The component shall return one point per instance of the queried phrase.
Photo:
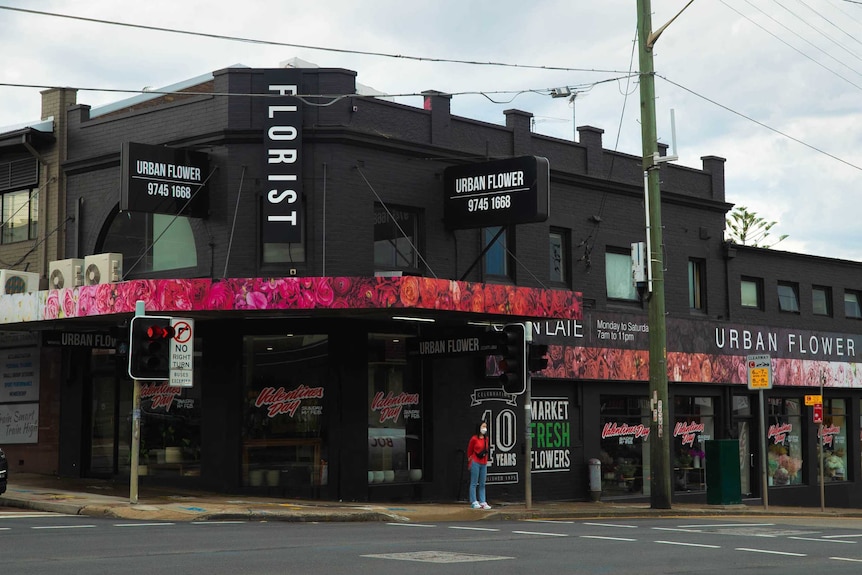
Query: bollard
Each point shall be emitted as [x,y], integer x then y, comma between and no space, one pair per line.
[595,479]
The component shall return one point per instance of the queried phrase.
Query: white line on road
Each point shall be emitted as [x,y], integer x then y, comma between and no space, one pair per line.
[678,529]
[472,528]
[410,525]
[5,528]
[62,526]
[728,525]
[612,525]
[772,552]
[33,515]
[540,533]
[141,524]
[689,544]
[548,521]
[842,536]
[217,522]
[607,538]
[847,559]
[822,540]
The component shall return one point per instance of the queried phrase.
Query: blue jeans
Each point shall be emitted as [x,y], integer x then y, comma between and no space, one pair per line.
[478,473]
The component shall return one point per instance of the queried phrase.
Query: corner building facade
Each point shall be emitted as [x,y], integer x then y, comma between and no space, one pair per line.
[316,251]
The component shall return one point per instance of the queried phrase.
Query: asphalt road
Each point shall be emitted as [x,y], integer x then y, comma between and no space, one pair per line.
[44,543]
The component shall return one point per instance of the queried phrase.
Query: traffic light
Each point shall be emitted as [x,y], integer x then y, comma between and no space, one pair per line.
[150,347]
[514,358]
[536,357]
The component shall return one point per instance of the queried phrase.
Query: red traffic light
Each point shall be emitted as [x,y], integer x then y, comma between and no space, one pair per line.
[158,331]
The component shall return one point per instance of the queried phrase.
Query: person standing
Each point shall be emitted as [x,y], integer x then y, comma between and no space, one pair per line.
[477,463]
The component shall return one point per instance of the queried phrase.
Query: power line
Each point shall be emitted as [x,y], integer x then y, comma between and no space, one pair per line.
[302,46]
[761,124]
[789,45]
[308,98]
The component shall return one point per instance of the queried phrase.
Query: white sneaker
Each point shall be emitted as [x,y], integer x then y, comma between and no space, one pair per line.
[484,505]
[476,505]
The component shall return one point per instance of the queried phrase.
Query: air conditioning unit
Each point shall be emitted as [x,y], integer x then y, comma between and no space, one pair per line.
[66,273]
[103,269]
[13,281]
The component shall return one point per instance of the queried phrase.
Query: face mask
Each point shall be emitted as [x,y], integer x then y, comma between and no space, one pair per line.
[483,430]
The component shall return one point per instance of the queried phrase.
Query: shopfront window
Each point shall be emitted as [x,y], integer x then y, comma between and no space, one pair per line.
[784,441]
[694,423]
[151,242]
[395,453]
[834,440]
[625,450]
[283,419]
[170,429]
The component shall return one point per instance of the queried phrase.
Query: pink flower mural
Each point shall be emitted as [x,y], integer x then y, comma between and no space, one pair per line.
[189,295]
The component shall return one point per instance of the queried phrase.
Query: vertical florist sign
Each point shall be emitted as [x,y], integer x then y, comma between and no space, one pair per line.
[282,137]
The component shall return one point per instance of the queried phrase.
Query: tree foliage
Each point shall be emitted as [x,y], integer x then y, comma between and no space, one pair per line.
[748,229]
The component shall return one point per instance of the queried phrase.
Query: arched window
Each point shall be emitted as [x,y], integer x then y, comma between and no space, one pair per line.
[166,242]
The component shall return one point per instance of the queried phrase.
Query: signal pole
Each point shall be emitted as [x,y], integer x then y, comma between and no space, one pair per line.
[136,421]
[660,475]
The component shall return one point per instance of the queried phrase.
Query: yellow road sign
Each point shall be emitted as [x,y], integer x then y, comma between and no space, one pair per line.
[813,400]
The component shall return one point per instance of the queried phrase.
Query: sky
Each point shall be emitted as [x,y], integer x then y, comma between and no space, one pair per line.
[773,86]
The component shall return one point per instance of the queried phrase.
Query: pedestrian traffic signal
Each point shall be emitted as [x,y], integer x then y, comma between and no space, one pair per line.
[513,363]
[150,347]
[536,357]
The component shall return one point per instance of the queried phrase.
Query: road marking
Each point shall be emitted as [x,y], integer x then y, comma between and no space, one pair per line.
[62,526]
[540,533]
[8,515]
[548,521]
[410,525]
[217,522]
[842,536]
[472,528]
[822,540]
[607,538]
[678,529]
[772,552]
[847,559]
[689,544]
[612,525]
[5,528]
[141,524]
[715,525]
[437,557]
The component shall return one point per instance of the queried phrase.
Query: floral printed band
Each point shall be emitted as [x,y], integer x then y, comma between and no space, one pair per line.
[293,293]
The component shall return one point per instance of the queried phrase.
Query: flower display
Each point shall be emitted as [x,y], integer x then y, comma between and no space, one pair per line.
[782,469]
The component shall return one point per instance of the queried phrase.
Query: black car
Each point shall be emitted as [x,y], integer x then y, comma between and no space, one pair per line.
[4,471]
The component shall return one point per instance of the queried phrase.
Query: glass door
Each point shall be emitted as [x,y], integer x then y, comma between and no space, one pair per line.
[748,465]
[110,417]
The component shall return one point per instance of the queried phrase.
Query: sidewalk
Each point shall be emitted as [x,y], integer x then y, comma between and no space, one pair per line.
[101,498]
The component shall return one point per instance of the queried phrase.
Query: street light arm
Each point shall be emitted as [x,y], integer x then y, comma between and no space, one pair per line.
[653,37]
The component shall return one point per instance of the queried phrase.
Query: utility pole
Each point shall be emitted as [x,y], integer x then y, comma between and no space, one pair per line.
[660,476]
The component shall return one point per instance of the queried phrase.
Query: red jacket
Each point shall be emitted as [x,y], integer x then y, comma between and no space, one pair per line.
[476,445]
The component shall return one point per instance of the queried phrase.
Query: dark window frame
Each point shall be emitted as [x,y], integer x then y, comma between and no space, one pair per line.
[697,284]
[788,297]
[827,300]
[758,286]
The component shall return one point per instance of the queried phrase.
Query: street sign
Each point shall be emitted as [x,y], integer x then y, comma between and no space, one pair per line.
[759,371]
[182,352]
[813,400]
[818,414]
